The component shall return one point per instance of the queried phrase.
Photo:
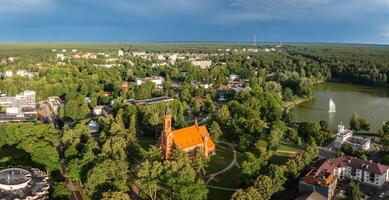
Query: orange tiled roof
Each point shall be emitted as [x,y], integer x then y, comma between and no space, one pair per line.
[191,136]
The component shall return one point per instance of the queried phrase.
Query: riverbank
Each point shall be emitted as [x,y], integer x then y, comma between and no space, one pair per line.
[291,104]
[299,100]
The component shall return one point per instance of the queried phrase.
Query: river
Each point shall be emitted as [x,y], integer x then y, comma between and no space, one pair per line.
[369,102]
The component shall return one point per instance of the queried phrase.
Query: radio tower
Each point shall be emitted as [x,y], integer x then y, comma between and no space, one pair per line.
[255,41]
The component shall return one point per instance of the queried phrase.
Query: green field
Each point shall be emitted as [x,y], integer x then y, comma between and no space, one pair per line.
[284,147]
[221,160]
[229,179]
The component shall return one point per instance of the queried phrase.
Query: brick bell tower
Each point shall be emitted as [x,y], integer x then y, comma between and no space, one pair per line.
[205,146]
[167,136]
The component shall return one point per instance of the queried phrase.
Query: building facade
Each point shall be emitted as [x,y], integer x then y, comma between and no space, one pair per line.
[21,107]
[325,178]
[157,80]
[346,136]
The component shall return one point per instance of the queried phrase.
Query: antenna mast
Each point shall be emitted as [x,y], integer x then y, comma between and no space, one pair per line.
[255,41]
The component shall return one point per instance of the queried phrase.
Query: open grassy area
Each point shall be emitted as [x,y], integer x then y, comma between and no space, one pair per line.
[12,156]
[221,160]
[229,179]
[284,147]
[215,194]
[279,159]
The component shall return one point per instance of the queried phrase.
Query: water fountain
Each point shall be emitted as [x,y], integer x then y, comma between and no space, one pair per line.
[332,106]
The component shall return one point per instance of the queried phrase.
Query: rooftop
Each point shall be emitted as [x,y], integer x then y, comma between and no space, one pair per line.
[355,163]
[357,140]
[14,176]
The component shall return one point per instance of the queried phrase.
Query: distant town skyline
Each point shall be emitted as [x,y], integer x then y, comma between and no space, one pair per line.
[317,21]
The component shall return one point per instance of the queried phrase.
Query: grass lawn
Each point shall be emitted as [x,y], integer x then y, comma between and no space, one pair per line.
[221,159]
[279,158]
[10,155]
[284,147]
[230,179]
[215,194]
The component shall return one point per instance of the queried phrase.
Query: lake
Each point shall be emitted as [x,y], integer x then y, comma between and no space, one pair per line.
[371,103]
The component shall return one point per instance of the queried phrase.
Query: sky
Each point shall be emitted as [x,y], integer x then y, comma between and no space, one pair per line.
[322,21]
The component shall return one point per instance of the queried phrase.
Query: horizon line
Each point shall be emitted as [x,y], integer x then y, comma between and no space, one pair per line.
[189,42]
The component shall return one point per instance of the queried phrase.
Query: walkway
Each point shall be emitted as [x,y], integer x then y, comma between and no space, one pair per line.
[231,165]
[73,187]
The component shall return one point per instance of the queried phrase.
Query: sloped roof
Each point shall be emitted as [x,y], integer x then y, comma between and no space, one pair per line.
[191,136]
[354,163]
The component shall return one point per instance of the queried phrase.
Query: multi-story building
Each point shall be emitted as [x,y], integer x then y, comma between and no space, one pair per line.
[346,136]
[367,172]
[23,183]
[324,178]
[203,64]
[321,181]
[21,107]
[157,80]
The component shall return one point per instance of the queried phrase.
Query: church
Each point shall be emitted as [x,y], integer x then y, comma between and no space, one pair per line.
[190,139]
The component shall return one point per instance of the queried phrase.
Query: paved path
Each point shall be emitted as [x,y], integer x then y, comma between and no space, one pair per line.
[220,188]
[73,187]
[233,162]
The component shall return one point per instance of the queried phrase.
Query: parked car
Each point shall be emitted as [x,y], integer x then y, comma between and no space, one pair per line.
[381,195]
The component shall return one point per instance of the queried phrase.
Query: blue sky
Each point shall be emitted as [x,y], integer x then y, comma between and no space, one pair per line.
[334,21]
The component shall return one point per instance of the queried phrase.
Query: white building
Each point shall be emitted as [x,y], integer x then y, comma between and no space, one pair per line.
[11,59]
[21,107]
[160,57]
[203,64]
[233,77]
[157,80]
[346,136]
[172,57]
[366,172]
[8,73]
[120,53]
[23,183]
[60,56]
[25,73]
[102,110]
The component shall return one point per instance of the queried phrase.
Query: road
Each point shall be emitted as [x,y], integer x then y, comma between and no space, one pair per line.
[73,187]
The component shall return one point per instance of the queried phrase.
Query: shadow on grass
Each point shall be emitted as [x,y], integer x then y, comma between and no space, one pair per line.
[12,156]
